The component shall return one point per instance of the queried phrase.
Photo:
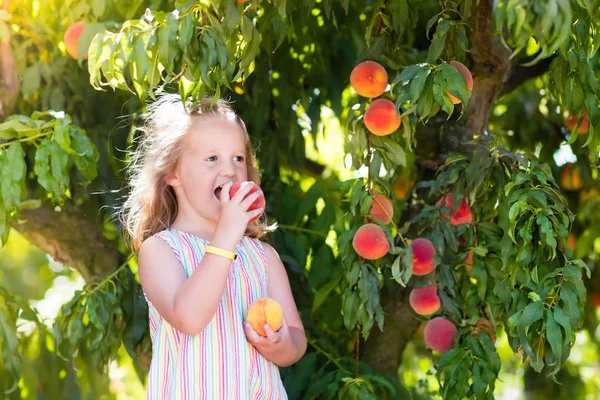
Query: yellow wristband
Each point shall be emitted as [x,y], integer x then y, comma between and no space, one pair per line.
[220,252]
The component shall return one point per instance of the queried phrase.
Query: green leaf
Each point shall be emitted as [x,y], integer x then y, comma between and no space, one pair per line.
[417,84]
[324,291]
[13,169]
[532,313]
[10,346]
[554,337]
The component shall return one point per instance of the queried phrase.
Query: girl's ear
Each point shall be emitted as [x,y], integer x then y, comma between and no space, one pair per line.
[172,179]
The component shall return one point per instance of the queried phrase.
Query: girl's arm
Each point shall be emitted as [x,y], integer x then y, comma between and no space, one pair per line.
[187,304]
[288,345]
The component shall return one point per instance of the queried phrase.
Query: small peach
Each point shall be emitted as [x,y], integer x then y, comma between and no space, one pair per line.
[469,262]
[71,39]
[570,177]
[265,311]
[571,122]
[369,79]
[572,241]
[460,67]
[382,118]
[462,216]
[425,300]
[382,209]
[402,186]
[439,334]
[422,256]
[370,242]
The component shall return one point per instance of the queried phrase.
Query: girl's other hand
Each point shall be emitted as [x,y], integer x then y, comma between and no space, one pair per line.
[275,343]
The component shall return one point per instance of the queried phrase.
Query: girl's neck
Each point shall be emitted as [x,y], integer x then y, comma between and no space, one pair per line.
[203,229]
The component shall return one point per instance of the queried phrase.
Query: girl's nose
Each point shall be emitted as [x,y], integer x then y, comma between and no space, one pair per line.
[227,169]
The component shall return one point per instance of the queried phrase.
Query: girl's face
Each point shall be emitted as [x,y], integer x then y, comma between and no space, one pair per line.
[215,154]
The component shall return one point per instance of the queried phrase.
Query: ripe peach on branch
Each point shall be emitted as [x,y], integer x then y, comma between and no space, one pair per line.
[382,118]
[460,67]
[425,300]
[382,209]
[370,242]
[423,252]
[462,216]
[71,39]
[439,334]
[369,79]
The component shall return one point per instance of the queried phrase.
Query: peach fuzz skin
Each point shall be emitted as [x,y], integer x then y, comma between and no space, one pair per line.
[571,122]
[439,334]
[370,242]
[425,300]
[423,253]
[369,79]
[382,209]
[462,216]
[258,203]
[382,118]
[460,67]
[263,312]
[71,39]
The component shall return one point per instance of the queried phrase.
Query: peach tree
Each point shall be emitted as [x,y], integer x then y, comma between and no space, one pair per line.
[464,208]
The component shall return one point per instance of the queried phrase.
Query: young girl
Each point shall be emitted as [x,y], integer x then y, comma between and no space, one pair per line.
[200,261]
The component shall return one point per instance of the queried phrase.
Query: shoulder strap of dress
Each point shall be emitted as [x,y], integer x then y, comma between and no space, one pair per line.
[172,240]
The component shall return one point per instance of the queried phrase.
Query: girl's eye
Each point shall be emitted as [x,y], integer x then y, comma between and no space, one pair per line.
[239,158]
[212,158]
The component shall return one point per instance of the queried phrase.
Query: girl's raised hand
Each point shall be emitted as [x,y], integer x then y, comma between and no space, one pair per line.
[235,216]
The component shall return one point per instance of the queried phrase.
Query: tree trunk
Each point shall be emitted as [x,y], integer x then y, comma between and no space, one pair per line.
[70,238]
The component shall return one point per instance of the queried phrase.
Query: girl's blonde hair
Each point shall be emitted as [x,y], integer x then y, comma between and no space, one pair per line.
[151,205]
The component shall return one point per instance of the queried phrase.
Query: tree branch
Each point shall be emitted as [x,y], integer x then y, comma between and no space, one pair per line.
[9,80]
[522,74]
[70,238]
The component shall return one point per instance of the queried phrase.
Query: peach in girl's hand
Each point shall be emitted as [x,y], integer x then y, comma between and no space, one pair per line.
[258,203]
[265,311]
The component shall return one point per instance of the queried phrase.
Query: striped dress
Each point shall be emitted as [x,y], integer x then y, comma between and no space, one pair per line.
[219,362]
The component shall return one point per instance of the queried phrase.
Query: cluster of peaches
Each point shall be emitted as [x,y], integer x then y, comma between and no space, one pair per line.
[370,79]
[371,243]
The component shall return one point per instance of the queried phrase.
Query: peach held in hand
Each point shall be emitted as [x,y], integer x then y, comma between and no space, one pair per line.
[265,311]
[462,216]
[422,253]
[425,300]
[382,209]
[370,242]
[369,79]
[260,202]
[439,334]
[466,73]
[382,118]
